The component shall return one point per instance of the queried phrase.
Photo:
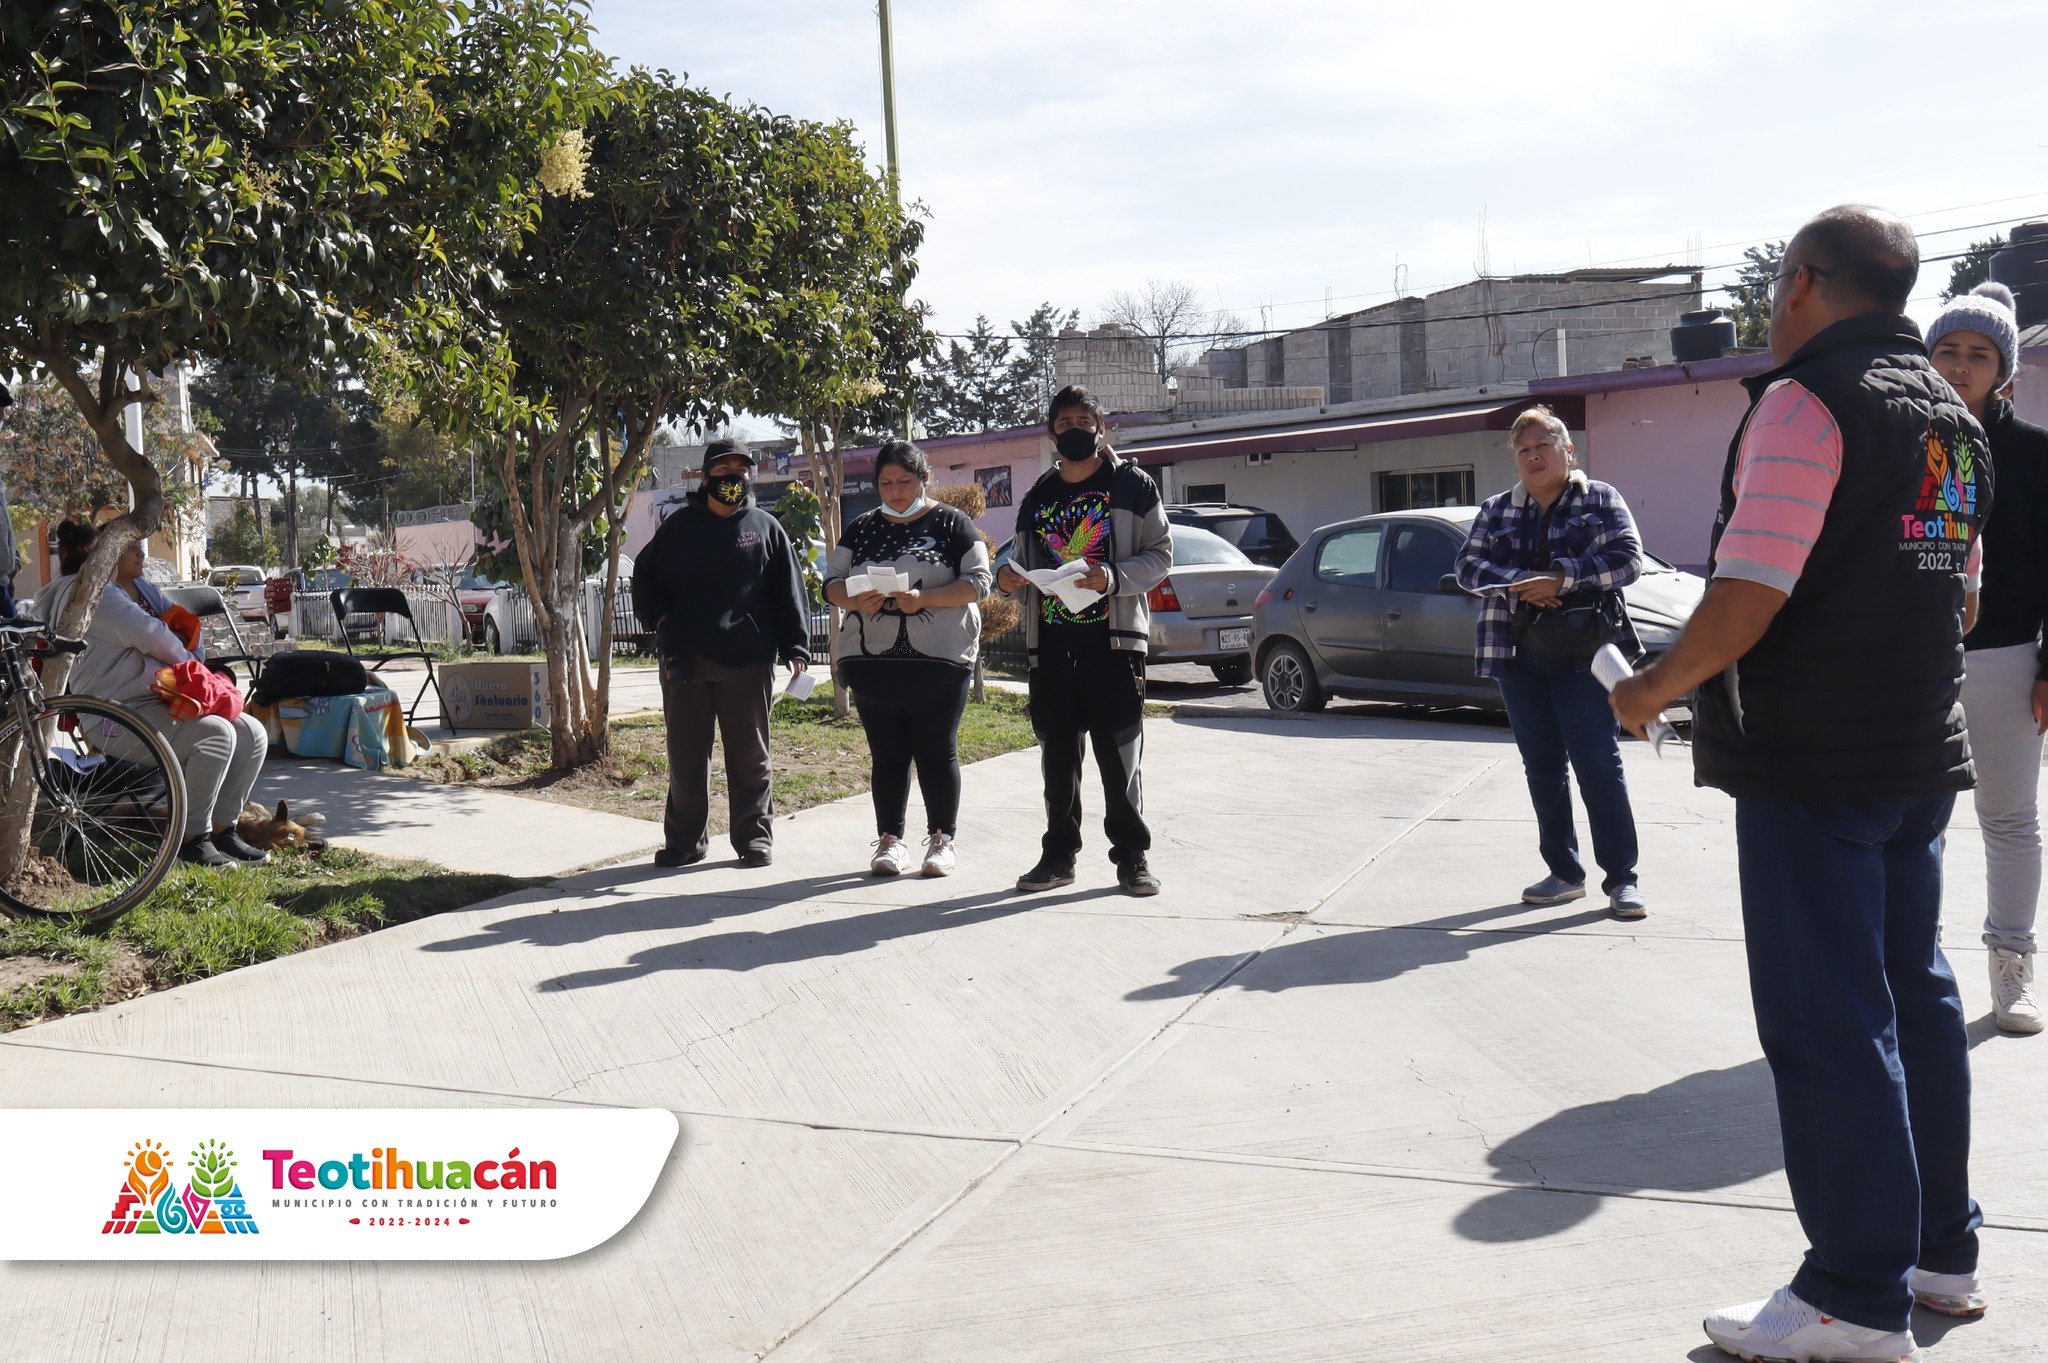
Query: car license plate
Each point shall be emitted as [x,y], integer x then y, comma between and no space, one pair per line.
[1233,640]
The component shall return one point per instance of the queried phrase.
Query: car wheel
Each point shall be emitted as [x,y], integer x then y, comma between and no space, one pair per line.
[492,644]
[1236,672]
[1290,682]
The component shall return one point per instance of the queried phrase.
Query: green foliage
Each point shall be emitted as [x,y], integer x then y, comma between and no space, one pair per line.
[801,516]
[1751,292]
[213,1170]
[1972,268]
[243,539]
[53,462]
[318,553]
[994,382]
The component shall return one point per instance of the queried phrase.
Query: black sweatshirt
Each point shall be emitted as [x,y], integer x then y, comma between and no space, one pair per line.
[2015,594]
[728,587]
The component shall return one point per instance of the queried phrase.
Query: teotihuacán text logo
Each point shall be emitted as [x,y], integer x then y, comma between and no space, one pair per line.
[304,1184]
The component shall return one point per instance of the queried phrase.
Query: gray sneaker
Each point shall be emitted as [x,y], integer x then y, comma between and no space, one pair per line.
[1554,890]
[1627,903]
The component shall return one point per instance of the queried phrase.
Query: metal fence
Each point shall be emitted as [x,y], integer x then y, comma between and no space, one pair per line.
[439,620]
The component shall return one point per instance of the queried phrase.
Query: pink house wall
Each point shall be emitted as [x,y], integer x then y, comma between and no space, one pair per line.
[1664,449]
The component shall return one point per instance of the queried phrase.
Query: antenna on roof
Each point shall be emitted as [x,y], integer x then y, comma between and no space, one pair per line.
[1400,280]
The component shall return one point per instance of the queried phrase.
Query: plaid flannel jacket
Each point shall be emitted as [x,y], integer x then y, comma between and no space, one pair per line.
[1591,538]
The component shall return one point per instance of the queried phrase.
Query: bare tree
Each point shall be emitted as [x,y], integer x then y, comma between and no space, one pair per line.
[1168,313]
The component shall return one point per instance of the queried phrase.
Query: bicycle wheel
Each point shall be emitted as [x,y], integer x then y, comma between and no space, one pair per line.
[103,799]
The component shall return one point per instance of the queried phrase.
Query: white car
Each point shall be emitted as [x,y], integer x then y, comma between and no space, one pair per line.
[242,585]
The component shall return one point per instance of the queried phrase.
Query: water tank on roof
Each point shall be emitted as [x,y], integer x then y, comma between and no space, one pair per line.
[1701,335]
[2023,267]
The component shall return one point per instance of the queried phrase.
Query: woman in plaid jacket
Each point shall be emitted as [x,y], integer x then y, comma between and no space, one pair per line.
[1558,540]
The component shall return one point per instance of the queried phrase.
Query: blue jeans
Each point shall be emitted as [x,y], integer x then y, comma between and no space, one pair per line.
[1858,1014]
[1559,713]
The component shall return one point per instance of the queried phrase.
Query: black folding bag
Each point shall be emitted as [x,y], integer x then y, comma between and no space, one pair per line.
[309,674]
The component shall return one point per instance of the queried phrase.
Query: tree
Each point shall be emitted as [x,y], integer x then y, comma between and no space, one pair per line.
[53,464]
[244,539]
[1972,268]
[1169,313]
[836,343]
[1031,380]
[995,382]
[1751,292]
[285,428]
[256,180]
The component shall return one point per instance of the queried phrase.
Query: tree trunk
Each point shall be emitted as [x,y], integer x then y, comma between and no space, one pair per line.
[102,412]
[291,515]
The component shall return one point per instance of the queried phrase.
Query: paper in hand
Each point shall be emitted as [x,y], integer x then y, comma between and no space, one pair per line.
[800,686]
[1062,583]
[1609,669]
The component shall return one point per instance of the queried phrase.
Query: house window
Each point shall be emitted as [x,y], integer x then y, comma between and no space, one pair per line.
[1440,487]
[1206,492]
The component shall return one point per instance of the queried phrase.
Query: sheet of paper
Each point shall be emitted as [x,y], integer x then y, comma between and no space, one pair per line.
[1610,669]
[1061,583]
[800,686]
[859,584]
[889,581]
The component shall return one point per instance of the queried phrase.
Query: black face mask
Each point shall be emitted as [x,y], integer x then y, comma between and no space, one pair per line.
[1075,444]
[730,491]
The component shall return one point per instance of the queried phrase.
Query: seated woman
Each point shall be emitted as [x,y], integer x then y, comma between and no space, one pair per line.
[125,645]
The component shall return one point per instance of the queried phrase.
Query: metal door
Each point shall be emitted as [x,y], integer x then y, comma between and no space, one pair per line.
[1428,633]
[1341,601]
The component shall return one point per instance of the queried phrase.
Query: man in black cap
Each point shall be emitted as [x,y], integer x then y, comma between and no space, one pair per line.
[725,590]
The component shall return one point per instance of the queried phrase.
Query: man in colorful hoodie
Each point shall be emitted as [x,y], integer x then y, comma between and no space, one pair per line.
[1087,660]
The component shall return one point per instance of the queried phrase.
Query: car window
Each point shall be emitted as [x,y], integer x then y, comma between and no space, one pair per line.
[251,577]
[1229,528]
[1351,557]
[1192,547]
[1421,557]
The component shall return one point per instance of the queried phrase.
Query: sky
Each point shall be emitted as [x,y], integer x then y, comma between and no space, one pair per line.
[1289,159]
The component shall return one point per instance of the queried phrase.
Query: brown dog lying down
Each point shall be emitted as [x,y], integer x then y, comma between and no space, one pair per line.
[260,828]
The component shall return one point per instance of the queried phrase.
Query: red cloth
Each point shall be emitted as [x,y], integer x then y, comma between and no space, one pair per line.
[189,690]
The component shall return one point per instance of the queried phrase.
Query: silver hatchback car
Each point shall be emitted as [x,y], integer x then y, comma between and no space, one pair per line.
[1369,609]
[1202,612]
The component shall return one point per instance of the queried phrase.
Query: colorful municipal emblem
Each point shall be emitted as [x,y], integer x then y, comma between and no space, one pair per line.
[1951,481]
[150,1202]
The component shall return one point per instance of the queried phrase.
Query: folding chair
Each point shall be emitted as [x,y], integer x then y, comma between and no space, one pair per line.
[217,625]
[390,601]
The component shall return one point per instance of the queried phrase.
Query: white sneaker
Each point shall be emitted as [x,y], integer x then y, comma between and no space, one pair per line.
[1788,1330]
[938,855]
[892,856]
[1950,1294]
[2012,991]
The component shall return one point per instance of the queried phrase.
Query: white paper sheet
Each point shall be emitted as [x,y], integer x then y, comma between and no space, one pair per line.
[1609,669]
[1061,582]
[800,686]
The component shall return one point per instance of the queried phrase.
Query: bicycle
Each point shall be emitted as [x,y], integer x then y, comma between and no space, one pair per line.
[101,831]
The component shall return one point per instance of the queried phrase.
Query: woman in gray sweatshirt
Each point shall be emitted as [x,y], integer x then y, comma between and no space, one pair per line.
[908,655]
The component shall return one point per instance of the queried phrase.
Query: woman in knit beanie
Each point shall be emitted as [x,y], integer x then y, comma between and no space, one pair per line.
[1975,346]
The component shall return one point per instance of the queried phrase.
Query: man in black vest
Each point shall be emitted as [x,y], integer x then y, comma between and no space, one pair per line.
[1828,659]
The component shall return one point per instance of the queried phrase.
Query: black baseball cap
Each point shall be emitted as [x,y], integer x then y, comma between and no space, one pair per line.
[718,449]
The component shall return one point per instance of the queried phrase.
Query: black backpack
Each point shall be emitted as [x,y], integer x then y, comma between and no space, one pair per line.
[303,673]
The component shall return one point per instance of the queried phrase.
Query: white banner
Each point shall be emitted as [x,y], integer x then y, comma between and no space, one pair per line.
[204,1184]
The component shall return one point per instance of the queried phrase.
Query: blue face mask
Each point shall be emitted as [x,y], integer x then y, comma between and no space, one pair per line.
[911,512]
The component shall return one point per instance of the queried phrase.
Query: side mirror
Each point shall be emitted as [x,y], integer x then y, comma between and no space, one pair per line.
[1448,584]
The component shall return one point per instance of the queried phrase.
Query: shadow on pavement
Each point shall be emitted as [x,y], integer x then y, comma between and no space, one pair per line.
[1714,1129]
[741,951]
[1369,956]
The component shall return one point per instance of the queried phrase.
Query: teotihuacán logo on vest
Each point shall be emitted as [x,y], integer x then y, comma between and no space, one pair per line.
[150,1202]
[1939,525]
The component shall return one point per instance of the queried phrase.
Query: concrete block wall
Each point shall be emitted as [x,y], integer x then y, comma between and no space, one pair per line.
[1114,364]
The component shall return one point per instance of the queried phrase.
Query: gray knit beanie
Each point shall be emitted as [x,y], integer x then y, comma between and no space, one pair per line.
[1987,310]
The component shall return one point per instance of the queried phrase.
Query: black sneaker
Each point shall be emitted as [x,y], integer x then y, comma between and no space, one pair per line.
[671,857]
[756,857]
[241,849]
[200,851]
[1136,877]
[1050,873]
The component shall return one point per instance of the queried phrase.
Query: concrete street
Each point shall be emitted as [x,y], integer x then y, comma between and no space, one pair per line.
[1334,1094]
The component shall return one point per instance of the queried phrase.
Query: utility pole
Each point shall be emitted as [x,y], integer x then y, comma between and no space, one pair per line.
[895,169]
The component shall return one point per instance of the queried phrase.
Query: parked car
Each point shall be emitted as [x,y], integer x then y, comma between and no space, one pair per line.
[242,585]
[1202,612]
[1262,536]
[1370,609]
[474,594]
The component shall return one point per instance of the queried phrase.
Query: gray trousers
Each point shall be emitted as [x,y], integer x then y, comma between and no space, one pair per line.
[693,697]
[221,760]
[1998,689]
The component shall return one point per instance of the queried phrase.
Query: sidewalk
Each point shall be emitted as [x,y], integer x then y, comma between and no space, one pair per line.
[1335,1094]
